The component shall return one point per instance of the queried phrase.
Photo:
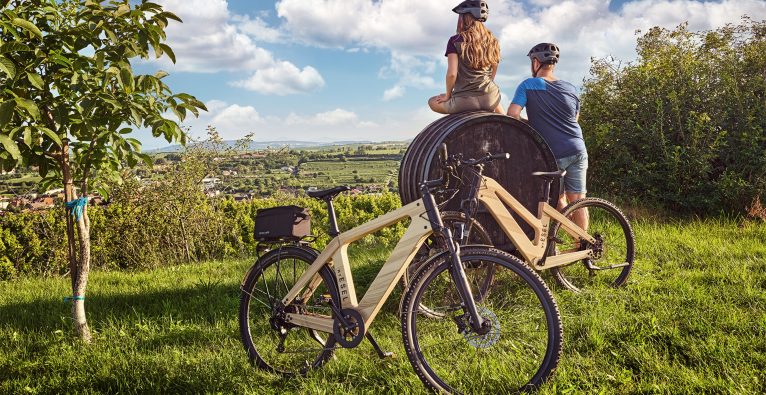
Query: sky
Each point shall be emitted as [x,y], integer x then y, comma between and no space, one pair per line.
[363,70]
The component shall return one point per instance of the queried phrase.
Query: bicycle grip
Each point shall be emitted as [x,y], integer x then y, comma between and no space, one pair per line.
[504,155]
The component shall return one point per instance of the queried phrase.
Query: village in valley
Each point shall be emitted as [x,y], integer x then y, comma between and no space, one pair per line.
[367,168]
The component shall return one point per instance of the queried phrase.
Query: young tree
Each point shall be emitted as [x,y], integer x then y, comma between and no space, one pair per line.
[69,102]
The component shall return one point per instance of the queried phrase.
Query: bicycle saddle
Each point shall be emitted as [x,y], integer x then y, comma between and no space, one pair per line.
[550,174]
[328,193]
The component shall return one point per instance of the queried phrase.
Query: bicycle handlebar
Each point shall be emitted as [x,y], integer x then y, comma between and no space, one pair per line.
[457,159]
[487,158]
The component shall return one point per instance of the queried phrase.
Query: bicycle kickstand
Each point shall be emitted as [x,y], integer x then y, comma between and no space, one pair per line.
[382,354]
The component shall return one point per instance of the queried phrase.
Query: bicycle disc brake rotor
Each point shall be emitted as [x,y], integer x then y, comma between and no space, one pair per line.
[488,339]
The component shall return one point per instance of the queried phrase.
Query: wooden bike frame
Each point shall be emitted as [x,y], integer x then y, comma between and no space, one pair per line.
[498,201]
[335,254]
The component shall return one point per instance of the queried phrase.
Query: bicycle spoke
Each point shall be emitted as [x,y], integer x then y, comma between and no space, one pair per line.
[504,359]
[273,342]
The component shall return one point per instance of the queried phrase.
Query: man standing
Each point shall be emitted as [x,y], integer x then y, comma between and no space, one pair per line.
[553,109]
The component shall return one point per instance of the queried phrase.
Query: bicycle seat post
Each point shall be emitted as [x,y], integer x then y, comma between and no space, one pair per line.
[333,228]
[547,193]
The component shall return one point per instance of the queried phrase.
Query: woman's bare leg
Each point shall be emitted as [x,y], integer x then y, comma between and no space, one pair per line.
[436,106]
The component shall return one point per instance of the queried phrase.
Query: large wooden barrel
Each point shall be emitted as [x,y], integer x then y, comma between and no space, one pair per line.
[473,134]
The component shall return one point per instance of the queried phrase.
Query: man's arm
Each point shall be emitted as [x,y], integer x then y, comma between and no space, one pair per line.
[514,111]
[518,102]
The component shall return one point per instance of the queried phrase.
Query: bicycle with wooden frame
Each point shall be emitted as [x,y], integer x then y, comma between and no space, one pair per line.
[298,305]
[577,257]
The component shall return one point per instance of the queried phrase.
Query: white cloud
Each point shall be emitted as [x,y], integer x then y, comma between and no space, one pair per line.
[394,92]
[415,32]
[207,42]
[337,23]
[338,116]
[258,29]
[211,39]
[586,29]
[233,121]
[283,78]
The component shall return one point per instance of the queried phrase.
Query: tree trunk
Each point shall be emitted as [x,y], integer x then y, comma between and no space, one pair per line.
[79,268]
[78,308]
[185,241]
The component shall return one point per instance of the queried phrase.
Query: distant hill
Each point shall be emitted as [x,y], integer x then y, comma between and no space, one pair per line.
[261,145]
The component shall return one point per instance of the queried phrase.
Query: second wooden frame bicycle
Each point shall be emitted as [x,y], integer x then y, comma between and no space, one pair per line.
[574,255]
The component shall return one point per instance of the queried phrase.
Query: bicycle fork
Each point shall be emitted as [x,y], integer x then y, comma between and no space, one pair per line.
[457,271]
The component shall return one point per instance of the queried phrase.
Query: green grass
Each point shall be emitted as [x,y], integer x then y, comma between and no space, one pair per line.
[692,319]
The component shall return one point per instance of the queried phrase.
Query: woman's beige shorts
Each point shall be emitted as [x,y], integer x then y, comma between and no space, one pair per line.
[486,102]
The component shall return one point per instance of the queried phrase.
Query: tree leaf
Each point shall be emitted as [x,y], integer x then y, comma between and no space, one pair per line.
[28,26]
[161,74]
[29,106]
[169,52]
[52,135]
[99,60]
[60,60]
[6,112]
[36,80]
[112,36]
[28,136]
[10,146]
[134,143]
[136,117]
[122,10]
[42,169]
[170,15]
[146,158]
[7,66]
[127,78]
[14,47]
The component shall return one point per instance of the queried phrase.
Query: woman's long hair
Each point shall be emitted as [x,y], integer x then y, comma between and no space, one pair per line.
[480,48]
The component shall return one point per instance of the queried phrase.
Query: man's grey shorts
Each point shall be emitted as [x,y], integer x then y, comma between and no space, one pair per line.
[576,167]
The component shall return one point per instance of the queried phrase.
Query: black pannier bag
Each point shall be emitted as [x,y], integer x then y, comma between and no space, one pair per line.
[284,223]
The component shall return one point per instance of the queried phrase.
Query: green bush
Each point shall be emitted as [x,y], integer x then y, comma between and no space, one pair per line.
[684,126]
[137,231]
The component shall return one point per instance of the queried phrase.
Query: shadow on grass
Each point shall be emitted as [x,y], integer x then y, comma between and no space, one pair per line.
[202,303]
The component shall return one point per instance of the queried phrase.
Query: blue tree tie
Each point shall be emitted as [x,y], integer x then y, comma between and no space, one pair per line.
[76,206]
[73,298]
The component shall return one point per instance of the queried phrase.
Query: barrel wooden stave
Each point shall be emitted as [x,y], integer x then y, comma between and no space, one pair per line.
[473,134]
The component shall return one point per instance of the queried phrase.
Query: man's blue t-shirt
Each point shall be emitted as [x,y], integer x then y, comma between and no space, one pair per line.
[552,108]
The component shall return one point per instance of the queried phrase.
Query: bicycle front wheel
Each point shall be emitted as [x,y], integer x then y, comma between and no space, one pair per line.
[473,233]
[520,351]
[613,253]
[272,343]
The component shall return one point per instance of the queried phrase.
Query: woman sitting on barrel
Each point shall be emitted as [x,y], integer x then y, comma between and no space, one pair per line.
[472,58]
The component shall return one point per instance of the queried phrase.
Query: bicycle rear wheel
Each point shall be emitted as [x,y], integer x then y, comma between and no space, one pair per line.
[271,343]
[613,253]
[521,350]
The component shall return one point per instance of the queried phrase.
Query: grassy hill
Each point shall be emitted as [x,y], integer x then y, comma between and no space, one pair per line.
[692,319]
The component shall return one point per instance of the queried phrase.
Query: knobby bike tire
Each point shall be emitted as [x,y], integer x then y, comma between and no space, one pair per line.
[515,281]
[254,303]
[576,275]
